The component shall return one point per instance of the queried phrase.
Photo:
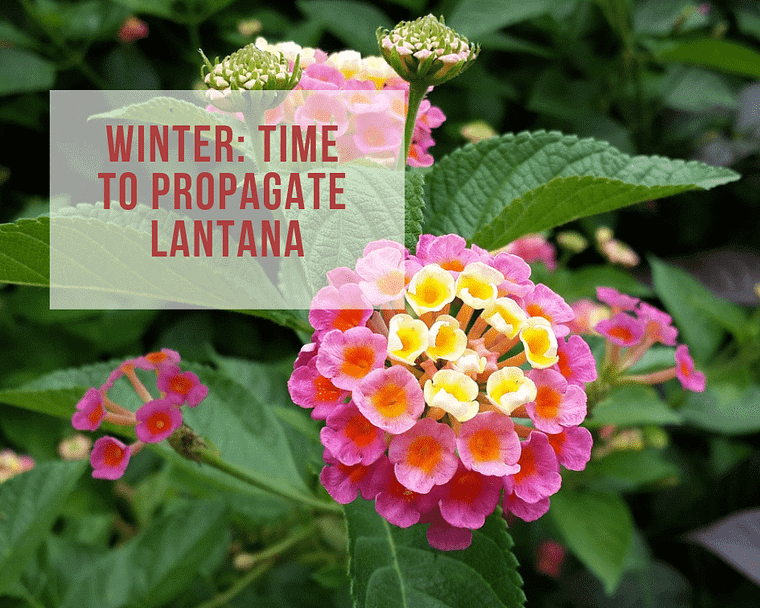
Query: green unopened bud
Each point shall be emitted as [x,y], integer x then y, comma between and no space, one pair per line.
[248,69]
[573,241]
[426,51]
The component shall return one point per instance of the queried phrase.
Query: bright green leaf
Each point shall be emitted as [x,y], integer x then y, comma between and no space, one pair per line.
[25,252]
[717,54]
[473,18]
[686,299]
[394,567]
[22,71]
[29,505]
[633,405]
[596,527]
[499,189]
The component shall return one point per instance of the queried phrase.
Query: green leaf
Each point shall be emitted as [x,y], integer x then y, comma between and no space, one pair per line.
[22,71]
[120,246]
[414,206]
[29,505]
[629,470]
[724,408]
[501,188]
[352,22]
[394,567]
[633,405]
[597,528]
[158,563]
[25,252]
[686,299]
[474,18]
[722,55]
[696,90]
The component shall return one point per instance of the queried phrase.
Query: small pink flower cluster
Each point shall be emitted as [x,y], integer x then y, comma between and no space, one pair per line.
[632,328]
[153,422]
[448,383]
[376,128]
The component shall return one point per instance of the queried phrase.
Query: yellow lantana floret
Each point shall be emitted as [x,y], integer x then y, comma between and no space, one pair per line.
[453,392]
[540,342]
[407,338]
[430,289]
[446,339]
[478,284]
[505,316]
[508,388]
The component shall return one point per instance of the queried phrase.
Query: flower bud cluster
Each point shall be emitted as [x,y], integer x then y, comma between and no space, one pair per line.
[426,50]
[448,385]
[349,72]
[631,329]
[251,69]
[157,419]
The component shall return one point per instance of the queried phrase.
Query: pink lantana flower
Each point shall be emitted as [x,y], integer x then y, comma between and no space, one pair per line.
[543,302]
[534,248]
[351,438]
[181,387]
[538,476]
[390,398]
[156,420]
[527,511]
[311,390]
[469,498]
[557,404]
[445,384]
[424,456]
[344,482]
[90,411]
[621,329]
[613,298]
[347,357]
[442,535]
[691,380]
[489,445]
[576,363]
[339,308]
[658,324]
[109,458]
[572,447]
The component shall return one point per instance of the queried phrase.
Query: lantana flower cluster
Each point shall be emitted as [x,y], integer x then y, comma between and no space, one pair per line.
[153,422]
[375,126]
[632,327]
[448,384]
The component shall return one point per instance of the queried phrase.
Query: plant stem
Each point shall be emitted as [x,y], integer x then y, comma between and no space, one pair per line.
[416,94]
[238,586]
